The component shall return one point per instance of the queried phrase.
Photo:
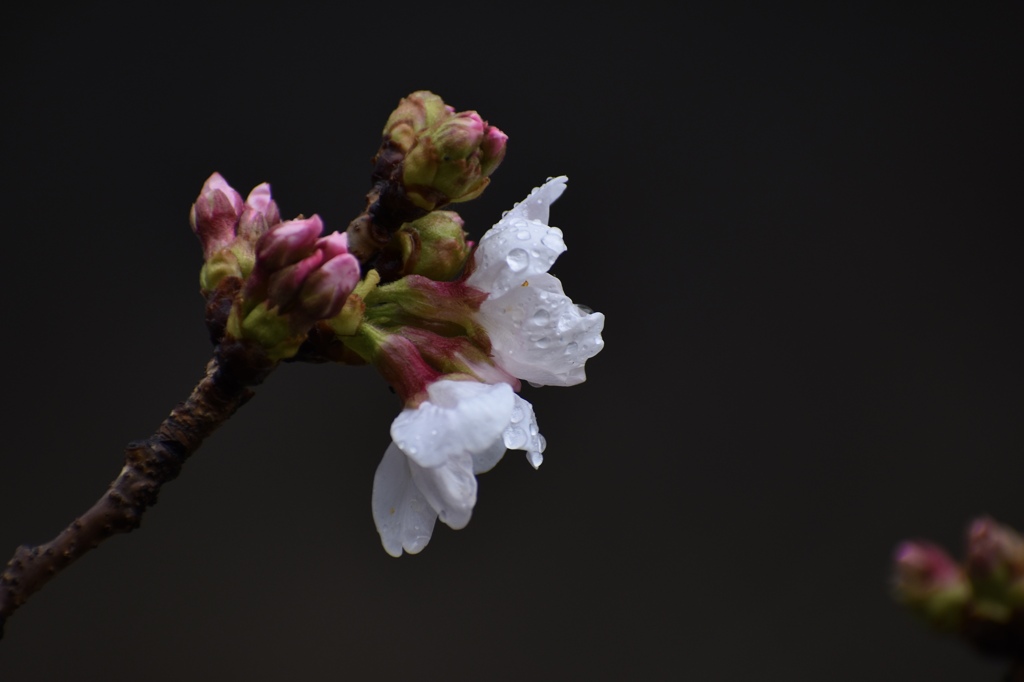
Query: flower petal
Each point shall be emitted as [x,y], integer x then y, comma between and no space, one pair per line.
[520,245]
[485,460]
[459,417]
[403,517]
[537,205]
[450,488]
[539,335]
[522,433]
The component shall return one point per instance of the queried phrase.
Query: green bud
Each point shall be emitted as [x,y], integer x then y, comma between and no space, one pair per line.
[434,246]
[413,115]
[447,156]
[272,331]
[217,268]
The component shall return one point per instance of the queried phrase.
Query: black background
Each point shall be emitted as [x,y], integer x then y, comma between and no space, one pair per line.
[803,227]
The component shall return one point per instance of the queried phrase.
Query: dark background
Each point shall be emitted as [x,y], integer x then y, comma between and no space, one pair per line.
[803,227]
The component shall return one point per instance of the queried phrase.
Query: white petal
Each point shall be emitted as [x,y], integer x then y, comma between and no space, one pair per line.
[537,205]
[450,488]
[459,417]
[520,245]
[539,335]
[512,252]
[522,432]
[403,517]
[484,461]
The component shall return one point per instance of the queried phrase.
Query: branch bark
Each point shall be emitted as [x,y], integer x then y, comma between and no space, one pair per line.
[149,464]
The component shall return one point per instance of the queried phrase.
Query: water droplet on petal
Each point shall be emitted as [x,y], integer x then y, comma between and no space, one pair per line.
[517,259]
[541,317]
[542,343]
[571,348]
[584,309]
[552,241]
[535,458]
[514,438]
[517,414]
[523,235]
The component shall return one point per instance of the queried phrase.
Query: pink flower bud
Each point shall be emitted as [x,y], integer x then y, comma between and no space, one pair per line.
[492,149]
[326,289]
[214,215]
[923,567]
[459,136]
[259,215]
[334,244]
[288,242]
[994,552]
[284,284]
[928,581]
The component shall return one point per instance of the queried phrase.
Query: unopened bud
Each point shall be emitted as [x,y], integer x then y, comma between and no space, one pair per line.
[459,135]
[214,216]
[434,246]
[995,566]
[259,215]
[492,149]
[929,582]
[288,242]
[446,156]
[326,289]
[413,115]
[285,283]
[994,551]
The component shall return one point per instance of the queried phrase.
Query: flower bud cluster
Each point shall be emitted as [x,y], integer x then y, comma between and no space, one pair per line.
[448,156]
[981,597]
[228,228]
[288,275]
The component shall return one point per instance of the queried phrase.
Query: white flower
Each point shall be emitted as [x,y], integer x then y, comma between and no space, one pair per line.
[463,427]
[538,334]
[429,470]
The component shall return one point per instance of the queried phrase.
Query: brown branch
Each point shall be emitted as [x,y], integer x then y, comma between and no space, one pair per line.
[149,464]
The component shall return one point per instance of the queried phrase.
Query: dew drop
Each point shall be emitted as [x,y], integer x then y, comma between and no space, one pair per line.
[517,414]
[585,310]
[523,235]
[541,317]
[571,348]
[515,438]
[552,241]
[542,343]
[517,259]
[504,213]
[535,459]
